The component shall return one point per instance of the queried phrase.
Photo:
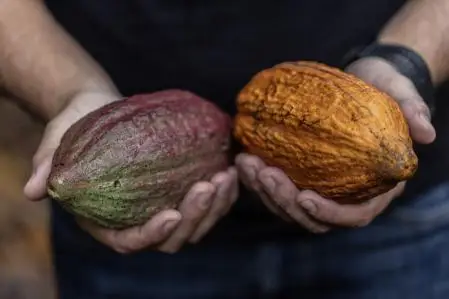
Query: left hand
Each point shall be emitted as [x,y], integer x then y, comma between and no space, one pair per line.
[306,207]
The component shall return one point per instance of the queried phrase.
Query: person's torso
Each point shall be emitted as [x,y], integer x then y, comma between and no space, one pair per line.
[214,47]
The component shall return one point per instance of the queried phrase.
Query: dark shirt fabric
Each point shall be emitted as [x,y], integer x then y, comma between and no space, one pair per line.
[213,48]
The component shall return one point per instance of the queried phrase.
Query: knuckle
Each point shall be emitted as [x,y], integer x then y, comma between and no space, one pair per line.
[202,188]
[286,196]
[284,205]
[247,171]
[416,103]
[405,82]
[423,108]
[326,213]
[241,169]
[220,178]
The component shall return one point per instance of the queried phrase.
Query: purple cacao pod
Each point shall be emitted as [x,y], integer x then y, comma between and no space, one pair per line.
[123,163]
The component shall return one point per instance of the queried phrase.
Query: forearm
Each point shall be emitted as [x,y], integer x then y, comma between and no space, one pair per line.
[39,62]
[423,25]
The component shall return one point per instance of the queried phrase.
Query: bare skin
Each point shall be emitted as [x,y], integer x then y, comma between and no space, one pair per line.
[423,25]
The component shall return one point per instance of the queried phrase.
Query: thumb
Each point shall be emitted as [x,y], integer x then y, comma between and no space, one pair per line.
[36,187]
[79,106]
[386,78]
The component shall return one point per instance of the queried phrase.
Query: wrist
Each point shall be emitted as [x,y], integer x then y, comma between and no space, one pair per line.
[425,52]
[422,26]
[89,96]
[405,61]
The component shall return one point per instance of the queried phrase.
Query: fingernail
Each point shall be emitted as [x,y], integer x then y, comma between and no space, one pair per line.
[309,205]
[170,225]
[269,183]
[204,201]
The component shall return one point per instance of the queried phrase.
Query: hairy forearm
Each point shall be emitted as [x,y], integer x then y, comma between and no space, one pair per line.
[423,25]
[39,62]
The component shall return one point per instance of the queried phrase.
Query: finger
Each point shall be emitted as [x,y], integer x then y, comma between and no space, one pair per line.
[282,190]
[235,191]
[36,187]
[416,113]
[413,108]
[224,198]
[248,167]
[380,203]
[272,205]
[156,230]
[249,180]
[193,209]
[356,215]
[401,89]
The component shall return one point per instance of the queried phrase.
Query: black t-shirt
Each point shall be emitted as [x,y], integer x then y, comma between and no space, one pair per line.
[213,48]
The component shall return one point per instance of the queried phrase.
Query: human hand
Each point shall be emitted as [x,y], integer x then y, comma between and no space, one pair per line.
[167,231]
[319,214]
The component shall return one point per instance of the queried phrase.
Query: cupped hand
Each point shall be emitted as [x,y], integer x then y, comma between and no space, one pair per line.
[318,214]
[167,231]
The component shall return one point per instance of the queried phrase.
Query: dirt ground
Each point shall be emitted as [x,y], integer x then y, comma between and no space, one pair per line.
[25,257]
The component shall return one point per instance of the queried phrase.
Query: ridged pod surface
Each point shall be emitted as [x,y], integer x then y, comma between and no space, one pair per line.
[122,163]
[327,130]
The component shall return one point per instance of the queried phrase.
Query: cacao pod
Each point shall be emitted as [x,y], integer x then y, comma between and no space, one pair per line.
[121,164]
[326,129]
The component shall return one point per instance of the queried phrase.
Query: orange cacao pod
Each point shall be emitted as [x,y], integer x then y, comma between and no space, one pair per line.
[326,129]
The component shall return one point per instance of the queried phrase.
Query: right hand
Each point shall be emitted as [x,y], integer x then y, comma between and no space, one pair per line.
[167,231]
[309,209]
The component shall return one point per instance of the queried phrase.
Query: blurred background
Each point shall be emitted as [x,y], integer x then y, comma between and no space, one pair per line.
[25,257]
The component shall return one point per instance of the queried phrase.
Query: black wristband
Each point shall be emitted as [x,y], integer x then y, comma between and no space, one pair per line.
[406,61]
